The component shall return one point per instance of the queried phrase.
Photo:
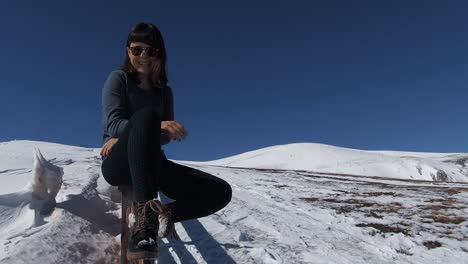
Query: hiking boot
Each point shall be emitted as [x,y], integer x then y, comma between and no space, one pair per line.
[142,243]
[166,225]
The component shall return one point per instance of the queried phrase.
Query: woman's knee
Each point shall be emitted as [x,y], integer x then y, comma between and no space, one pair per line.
[111,179]
[146,116]
[224,193]
[114,176]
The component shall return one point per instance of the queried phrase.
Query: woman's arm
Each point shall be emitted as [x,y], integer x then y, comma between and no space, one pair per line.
[172,128]
[168,105]
[114,112]
[168,113]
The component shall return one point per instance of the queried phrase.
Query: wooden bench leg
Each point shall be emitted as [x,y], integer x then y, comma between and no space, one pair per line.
[126,203]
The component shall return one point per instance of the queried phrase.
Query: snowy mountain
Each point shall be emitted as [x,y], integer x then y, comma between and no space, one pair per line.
[331,159]
[296,203]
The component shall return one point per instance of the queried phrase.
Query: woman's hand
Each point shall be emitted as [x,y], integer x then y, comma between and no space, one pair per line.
[175,130]
[106,149]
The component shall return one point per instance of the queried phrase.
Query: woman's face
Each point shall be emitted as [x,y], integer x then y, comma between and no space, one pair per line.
[143,63]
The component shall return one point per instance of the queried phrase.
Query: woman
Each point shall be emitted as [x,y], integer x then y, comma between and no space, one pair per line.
[137,118]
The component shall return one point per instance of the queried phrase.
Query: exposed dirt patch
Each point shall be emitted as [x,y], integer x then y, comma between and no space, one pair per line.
[432,244]
[373,214]
[402,251]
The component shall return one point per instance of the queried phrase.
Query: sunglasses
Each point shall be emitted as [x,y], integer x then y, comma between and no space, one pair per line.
[150,51]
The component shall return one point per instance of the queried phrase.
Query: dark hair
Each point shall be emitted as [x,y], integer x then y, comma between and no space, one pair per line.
[149,34]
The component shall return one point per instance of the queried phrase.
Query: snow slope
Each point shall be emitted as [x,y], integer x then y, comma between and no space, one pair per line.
[297,203]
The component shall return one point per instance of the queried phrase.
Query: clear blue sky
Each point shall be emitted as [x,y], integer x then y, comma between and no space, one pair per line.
[379,75]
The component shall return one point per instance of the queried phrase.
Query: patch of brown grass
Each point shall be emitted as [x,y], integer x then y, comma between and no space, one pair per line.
[309,199]
[448,232]
[394,207]
[347,192]
[435,207]
[344,209]
[356,202]
[445,219]
[443,201]
[454,237]
[386,228]
[375,194]
[403,224]
[455,190]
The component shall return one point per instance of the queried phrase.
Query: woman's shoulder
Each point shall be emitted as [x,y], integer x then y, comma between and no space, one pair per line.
[118,74]
[116,81]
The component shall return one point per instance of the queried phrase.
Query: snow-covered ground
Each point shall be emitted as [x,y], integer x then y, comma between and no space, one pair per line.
[296,203]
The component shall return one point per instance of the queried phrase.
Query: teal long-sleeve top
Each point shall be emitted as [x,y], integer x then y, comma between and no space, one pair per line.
[121,97]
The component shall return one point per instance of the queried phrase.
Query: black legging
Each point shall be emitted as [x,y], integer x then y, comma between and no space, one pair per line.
[136,160]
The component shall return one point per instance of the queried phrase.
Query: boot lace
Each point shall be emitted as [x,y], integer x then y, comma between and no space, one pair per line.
[166,225]
[151,212]
[140,217]
[157,219]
